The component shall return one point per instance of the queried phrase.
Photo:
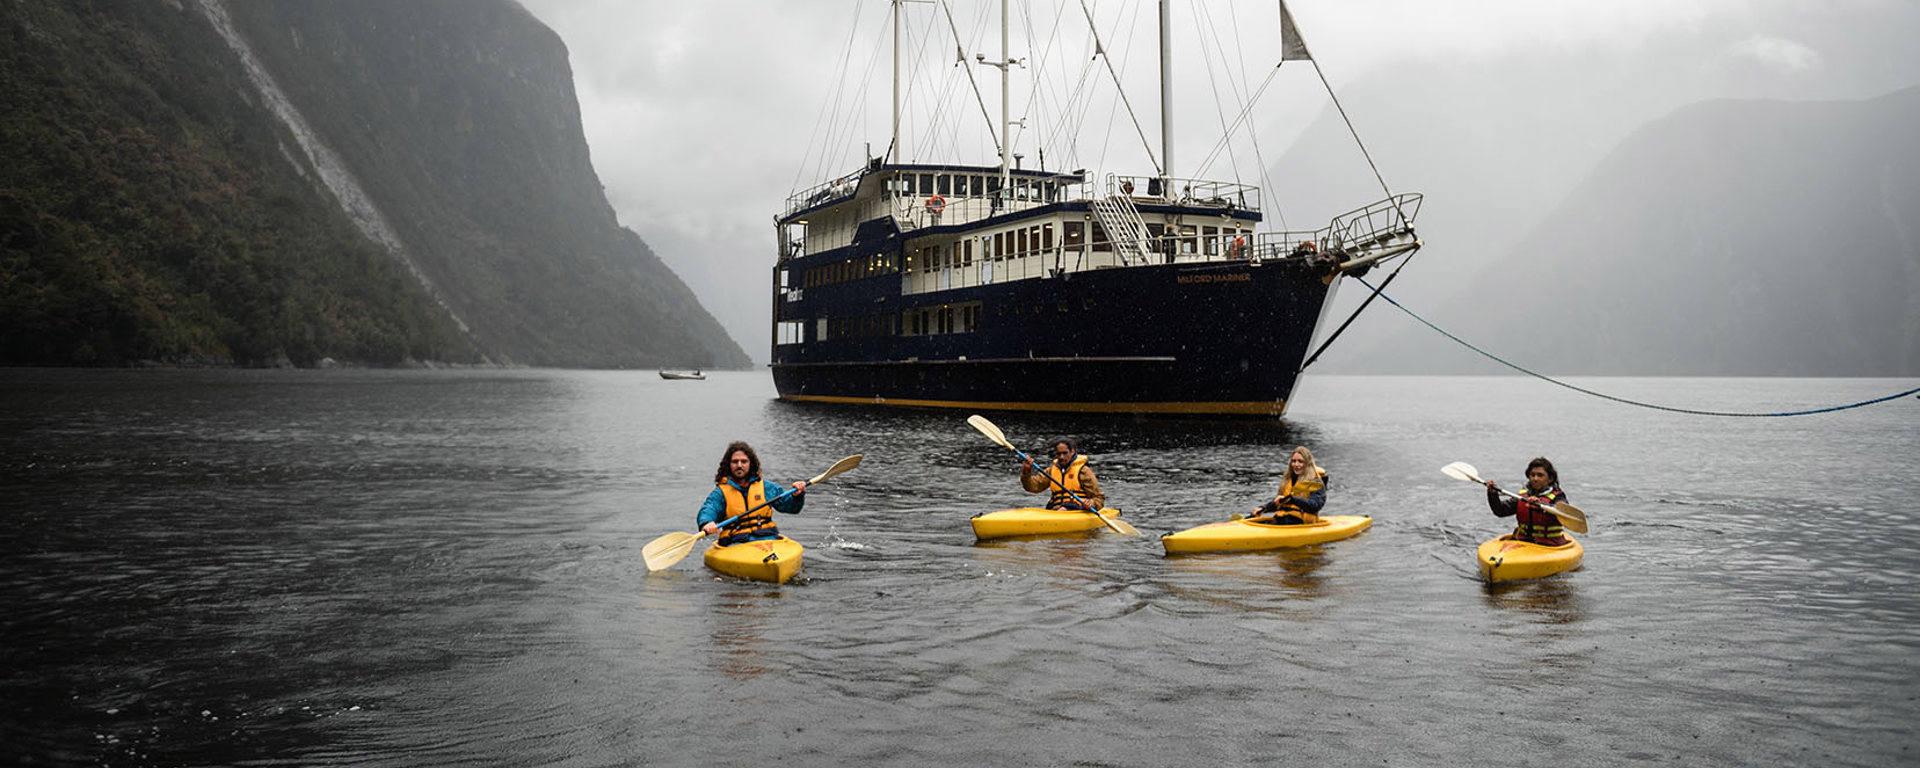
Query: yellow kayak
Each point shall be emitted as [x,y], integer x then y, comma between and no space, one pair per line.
[1503,559]
[1029,521]
[774,560]
[1247,535]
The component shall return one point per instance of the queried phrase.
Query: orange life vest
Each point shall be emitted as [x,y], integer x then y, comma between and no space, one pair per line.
[1067,480]
[759,524]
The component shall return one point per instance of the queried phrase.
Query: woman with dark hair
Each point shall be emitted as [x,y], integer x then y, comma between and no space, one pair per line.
[738,489]
[1532,512]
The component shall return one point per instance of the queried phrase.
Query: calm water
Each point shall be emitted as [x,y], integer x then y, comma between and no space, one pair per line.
[434,568]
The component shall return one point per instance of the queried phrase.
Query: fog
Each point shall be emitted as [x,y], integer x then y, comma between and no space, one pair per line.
[704,118]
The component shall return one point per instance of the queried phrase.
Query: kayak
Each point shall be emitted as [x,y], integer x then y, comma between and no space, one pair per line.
[1503,559]
[774,560]
[1247,535]
[1029,521]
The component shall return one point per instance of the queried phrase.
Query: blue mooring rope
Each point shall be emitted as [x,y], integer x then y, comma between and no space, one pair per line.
[1604,396]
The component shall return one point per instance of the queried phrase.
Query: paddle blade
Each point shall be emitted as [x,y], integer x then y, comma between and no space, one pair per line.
[663,552]
[1461,470]
[1120,526]
[838,467]
[1571,517]
[992,432]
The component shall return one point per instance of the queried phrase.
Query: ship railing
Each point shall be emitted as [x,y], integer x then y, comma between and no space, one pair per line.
[1201,192]
[836,189]
[1351,236]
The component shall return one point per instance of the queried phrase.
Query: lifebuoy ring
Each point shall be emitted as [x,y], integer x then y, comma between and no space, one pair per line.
[936,204]
[1306,246]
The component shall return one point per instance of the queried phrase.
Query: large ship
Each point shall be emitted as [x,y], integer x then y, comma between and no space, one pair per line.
[997,287]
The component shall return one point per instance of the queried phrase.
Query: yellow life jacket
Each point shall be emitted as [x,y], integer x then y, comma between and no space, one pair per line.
[758,525]
[1292,487]
[1066,480]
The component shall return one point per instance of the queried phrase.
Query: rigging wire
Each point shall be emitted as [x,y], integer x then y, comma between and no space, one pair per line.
[1604,396]
[1100,47]
[1286,18]
[829,111]
[959,46]
[1205,24]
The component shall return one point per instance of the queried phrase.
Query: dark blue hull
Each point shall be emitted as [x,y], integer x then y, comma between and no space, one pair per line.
[1206,338]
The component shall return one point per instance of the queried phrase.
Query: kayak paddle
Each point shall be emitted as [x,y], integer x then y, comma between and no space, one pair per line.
[663,552]
[1570,515]
[993,433]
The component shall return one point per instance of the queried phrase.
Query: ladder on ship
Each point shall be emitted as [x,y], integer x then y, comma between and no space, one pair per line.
[1124,227]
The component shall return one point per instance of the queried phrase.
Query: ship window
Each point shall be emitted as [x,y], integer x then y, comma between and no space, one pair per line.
[1098,235]
[926,183]
[1062,307]
[789,332]
[999,245]
[966,247]
[1074,234]
[1021,237]
[1211,239]
[1046,238]
[1087,304]
[946,184]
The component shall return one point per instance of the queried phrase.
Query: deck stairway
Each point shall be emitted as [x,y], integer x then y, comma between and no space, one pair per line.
[1125,228]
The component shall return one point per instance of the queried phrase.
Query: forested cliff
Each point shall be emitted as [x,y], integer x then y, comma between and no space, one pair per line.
[282,182]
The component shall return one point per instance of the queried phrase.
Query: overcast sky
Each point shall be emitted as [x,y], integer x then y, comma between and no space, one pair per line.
[703,117]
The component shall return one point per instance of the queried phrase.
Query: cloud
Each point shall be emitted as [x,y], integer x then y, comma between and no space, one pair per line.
[1779,53]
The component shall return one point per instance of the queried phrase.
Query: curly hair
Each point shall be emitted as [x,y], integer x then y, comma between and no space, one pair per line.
[753,461]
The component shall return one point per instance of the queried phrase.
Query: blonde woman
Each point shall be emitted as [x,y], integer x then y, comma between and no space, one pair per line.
[1303,491]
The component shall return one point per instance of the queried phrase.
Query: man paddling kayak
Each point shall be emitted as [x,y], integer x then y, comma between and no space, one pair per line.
[738,488]
[1303,491]
[1069,472]
[1533,518]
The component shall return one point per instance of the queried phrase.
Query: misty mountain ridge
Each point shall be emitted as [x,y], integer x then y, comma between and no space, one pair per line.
[1730,238]
[286,182]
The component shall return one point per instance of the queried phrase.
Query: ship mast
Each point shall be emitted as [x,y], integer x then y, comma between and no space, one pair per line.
[895,145]
[1006,110]
[1166,95]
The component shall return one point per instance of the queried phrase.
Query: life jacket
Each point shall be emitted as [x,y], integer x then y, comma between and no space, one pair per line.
[1068,480]
[1291,487]
[759,524]
[1538,525]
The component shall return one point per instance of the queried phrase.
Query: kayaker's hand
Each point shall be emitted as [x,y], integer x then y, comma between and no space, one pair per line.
[711,528]
[800,487]
[1490,484]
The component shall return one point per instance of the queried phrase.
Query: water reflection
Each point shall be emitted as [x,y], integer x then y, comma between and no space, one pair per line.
[739,634]
[1551,601]
[1294,570]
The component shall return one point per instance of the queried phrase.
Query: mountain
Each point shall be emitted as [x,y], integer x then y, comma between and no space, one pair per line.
[285,182]
[1730,238]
